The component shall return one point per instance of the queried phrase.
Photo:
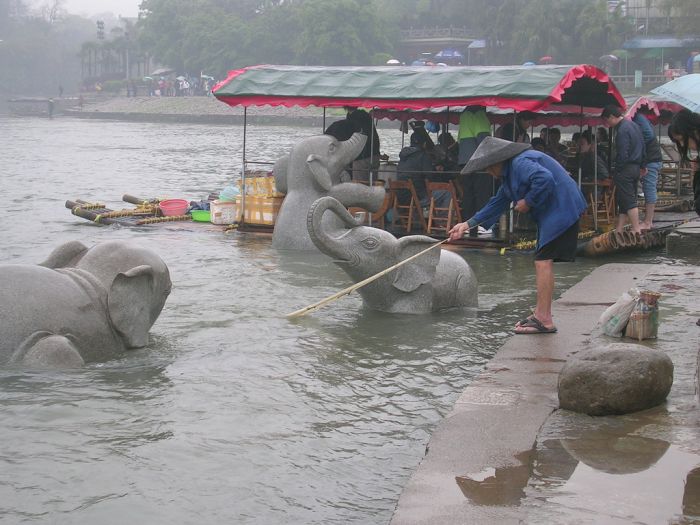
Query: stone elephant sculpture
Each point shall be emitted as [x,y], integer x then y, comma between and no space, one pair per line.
[434,281]
[313,169]
[80,305]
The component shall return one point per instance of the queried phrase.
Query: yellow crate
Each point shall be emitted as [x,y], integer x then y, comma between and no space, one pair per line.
[260,184]
[261,210]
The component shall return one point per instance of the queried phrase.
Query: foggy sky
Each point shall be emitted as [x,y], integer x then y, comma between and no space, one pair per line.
[127,8]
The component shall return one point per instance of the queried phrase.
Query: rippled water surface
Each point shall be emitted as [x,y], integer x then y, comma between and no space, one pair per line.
[232,414]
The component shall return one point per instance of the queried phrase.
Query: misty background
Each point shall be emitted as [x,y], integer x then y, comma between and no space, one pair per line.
[44,45]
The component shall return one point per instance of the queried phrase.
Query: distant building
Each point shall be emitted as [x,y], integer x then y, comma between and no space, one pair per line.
[425,43]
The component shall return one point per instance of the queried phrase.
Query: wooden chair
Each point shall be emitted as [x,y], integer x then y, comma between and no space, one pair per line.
[441,220]
[405,206]
[603,211]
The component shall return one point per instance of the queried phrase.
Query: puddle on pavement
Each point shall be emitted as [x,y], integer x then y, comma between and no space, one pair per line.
[498,486]
[597,470]
[632,479]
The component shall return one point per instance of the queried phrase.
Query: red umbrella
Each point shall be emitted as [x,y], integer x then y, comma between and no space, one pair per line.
[546,59]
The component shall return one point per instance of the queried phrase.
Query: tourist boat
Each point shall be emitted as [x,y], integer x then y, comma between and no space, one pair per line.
[560,95]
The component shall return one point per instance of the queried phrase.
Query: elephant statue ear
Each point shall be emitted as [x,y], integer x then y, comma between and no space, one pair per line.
[279,170]
[320,171]
[128,302]
[422,269]
[68,254]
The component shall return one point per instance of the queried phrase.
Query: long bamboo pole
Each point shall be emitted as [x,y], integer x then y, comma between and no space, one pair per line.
[319,304]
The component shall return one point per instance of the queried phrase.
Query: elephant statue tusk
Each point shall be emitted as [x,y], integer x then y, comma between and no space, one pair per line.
[350,289]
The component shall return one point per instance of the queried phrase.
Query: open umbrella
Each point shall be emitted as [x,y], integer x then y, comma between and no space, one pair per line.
[608,58]
[393,62]
[528,64]
[683,90]
[162,71]
[450,52]
[545,59]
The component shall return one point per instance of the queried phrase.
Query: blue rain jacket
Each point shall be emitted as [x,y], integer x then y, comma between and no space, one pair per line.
[555,200]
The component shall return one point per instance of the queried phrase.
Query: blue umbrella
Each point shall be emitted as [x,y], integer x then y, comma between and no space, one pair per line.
[450,52]
[683,90]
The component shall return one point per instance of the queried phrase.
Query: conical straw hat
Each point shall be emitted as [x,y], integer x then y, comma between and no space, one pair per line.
[492,151]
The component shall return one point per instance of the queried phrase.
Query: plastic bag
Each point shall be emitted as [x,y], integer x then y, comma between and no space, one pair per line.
[615,318]
[644,320]
[229,193]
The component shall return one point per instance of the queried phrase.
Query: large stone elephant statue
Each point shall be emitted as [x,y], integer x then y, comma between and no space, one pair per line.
[80,305]
[434,281]
[313,169]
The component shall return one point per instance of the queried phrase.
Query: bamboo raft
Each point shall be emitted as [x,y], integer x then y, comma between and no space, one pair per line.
[145,212]
[616,242]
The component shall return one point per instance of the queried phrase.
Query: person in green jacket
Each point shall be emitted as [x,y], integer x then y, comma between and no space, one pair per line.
[477,188]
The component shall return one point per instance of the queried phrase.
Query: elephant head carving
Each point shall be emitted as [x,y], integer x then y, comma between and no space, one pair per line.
[81,304]
[313,169]
[436,280]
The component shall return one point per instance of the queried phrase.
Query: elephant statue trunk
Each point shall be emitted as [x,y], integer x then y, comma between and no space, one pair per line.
[434,281]
[322,236]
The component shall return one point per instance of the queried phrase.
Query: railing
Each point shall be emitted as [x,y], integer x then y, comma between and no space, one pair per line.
[434,32]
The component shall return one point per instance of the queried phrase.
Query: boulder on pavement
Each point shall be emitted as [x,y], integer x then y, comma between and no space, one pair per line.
[615,379]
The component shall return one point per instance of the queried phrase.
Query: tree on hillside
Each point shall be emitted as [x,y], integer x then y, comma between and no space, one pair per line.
[273,36]
[341,32]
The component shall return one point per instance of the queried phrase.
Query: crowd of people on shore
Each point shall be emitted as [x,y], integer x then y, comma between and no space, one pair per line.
[162,86]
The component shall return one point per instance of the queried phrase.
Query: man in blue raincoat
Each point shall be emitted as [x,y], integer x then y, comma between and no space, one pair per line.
[536,183]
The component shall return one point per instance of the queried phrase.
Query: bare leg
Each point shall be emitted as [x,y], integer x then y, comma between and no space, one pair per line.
[621,221]
[544,278]
[648,216]
[633,215]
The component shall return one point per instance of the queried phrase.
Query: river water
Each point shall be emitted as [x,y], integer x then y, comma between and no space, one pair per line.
[232,414]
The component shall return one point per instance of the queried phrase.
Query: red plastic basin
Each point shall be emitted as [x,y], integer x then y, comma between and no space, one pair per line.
[171,207]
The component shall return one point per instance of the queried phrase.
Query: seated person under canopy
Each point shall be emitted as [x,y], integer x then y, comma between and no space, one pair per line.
[415,165]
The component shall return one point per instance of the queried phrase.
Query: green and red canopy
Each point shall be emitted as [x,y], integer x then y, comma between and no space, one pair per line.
[518,88]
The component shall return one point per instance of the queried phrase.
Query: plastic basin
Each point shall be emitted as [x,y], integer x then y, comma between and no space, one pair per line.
[171,207]
[201,215]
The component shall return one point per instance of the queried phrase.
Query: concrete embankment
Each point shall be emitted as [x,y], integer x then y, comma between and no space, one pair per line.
[506,454]
[198,110]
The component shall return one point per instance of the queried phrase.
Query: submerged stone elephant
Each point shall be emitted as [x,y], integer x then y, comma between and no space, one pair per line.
[80,305]
[434,281]
[313,169]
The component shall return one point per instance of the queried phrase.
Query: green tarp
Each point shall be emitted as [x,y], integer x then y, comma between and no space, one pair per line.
[410,88]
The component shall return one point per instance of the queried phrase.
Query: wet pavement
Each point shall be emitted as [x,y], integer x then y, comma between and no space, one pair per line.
[506,454]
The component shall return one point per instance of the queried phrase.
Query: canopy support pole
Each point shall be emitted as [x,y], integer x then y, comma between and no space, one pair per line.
[511,213]
[595,184]
[580,129]
[243,188]
[324,118]
[371,156]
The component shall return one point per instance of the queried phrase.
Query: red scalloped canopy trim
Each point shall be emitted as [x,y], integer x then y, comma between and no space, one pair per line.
[585,70]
